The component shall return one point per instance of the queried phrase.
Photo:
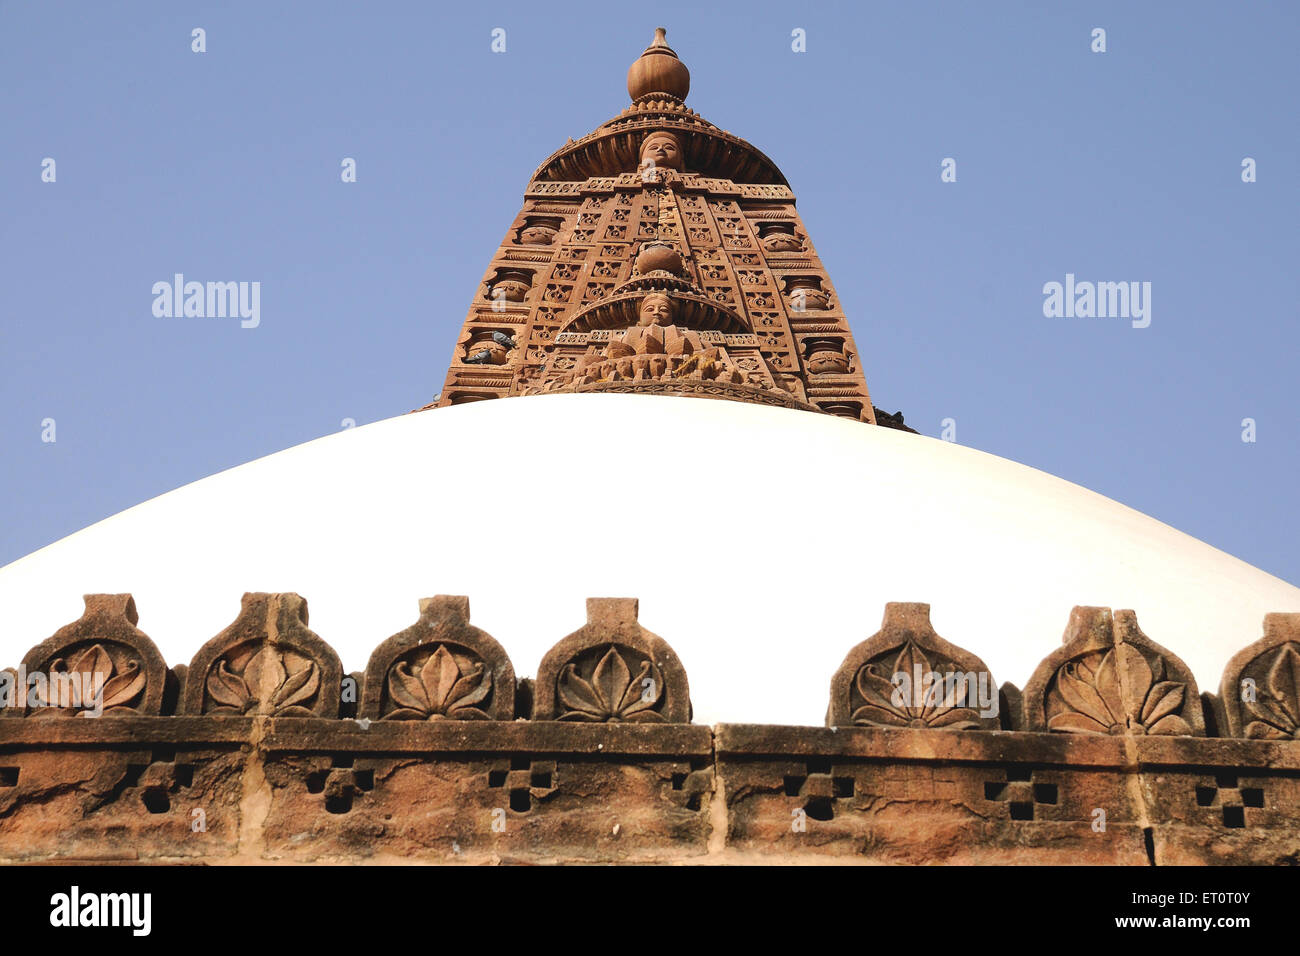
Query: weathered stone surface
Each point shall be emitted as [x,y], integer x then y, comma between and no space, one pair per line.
[100,803]
[547,809]
[920,796]
[261,789]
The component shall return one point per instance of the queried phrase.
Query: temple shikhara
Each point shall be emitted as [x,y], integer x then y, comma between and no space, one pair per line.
[664,256]
[809,602]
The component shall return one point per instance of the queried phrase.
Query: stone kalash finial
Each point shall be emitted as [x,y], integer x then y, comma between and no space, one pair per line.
[657,256]
[658,71]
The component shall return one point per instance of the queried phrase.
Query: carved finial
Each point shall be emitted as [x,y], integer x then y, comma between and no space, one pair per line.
[612,611]
[452,607]
[659,71]
[907,616]
[112,605]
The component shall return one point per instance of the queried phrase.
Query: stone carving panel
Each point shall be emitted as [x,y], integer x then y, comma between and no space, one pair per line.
[1260,690]
[1110,678]
[439,668]
[266,663]
[100,663]
[906,675]
[612,670]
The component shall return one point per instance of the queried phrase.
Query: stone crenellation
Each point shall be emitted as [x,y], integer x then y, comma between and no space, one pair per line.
[1106,678]
[261,749]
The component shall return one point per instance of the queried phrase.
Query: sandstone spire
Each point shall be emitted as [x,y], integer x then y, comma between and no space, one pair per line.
[659,254]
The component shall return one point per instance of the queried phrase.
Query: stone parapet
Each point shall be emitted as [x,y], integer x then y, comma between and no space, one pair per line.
[261,750]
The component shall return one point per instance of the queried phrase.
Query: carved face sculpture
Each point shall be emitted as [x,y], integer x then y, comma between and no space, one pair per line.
[662,150]
[656,309]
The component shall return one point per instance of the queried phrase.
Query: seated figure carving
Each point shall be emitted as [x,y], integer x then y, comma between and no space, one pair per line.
[652,350]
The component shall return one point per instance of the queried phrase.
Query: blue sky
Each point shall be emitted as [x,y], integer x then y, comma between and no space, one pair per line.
[1115,166]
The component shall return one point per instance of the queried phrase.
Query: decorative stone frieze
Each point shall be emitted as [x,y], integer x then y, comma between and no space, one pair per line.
[1114,766]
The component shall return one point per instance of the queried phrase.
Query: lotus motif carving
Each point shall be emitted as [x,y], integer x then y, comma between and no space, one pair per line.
[613,693]
[265,680]
[1277,704]
[1116,693]
[118,685]
[448,686]
[921,703]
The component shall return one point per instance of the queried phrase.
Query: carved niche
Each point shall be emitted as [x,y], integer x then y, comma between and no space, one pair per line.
[906,675]
[779,237]
[489,346]
[825,356]
[539,230]
[657,353]
[510,285]
[1260,690]
[1110,678]
[439,668]
[99,663]
[612,670]
[266,663]
[805,293]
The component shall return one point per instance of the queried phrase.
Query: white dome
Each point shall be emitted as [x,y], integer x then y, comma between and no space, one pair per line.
[763,544]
